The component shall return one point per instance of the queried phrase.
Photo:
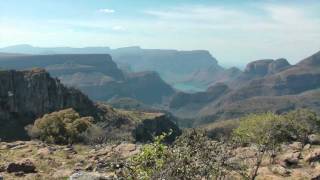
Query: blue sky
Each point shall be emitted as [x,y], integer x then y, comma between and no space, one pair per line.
[235,32]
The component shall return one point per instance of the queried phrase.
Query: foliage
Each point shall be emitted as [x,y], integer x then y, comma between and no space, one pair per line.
[267,131]
[264,130]
[93,135]
[301,123]
[222,129]
[62,127]
[151,159]
[270,129]
[193,156]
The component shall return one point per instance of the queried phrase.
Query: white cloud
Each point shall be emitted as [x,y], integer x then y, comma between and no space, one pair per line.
[107,11]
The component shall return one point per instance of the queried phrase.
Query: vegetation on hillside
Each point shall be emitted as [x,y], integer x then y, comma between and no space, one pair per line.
[195,156]
[62,127]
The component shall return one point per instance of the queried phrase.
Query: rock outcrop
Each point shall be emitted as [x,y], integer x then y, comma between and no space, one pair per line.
[24,166]
[268,66]
[26,95]
[65,64]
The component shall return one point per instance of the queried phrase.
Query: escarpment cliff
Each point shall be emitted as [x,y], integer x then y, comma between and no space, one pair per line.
[26,95]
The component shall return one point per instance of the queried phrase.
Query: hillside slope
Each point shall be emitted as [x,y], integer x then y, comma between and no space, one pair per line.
[266,85]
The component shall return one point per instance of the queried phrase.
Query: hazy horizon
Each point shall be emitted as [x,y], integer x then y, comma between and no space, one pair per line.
[234,33]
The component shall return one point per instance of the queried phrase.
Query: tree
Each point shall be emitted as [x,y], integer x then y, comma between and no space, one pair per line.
[265,131]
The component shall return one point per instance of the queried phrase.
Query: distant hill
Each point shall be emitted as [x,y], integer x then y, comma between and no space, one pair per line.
[179,68]
[265,85]
[97,75]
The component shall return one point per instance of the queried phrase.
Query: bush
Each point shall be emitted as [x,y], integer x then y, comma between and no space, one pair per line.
[267,131]
[62,127]
[193,156]
[301,123]
[222,129]
[151,159]
[93,135]
[264,130]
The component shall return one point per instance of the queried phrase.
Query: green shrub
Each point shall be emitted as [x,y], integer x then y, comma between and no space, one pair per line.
[62,127]
[94,135]
[221,129]
[301,123]
[150,160]
[260,129]
[193,156]
[267,131]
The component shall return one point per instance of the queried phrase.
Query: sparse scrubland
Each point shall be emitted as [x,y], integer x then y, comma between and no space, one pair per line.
[257,146]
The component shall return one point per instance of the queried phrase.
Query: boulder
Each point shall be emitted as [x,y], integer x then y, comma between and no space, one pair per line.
[290,159]
[296,145]
[89,176]
[313,156]
[306,147]
[44,151]
[314,139]
[25,166]
[127,150]
[2,168]
[279,170]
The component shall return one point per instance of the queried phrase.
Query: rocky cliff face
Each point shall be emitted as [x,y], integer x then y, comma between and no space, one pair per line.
[265,67]
[94,74]
[266,85]
[26,95]
[65,64]
[146,87]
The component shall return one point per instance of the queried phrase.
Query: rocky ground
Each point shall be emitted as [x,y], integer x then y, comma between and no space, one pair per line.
[295,161]
[37,160]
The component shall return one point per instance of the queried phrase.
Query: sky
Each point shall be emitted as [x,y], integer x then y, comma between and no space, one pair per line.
[235,32]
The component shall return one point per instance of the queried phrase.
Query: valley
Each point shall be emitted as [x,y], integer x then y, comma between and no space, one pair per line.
[81,116]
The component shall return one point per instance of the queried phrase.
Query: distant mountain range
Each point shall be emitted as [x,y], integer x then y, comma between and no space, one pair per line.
[265,85]
[94,74]
[185,70]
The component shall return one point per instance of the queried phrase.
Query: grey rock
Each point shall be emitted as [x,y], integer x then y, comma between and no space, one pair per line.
[277,169]
[88,176]
[296,145]
[313,156]
[290,159]
[314,139]
[306,147]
